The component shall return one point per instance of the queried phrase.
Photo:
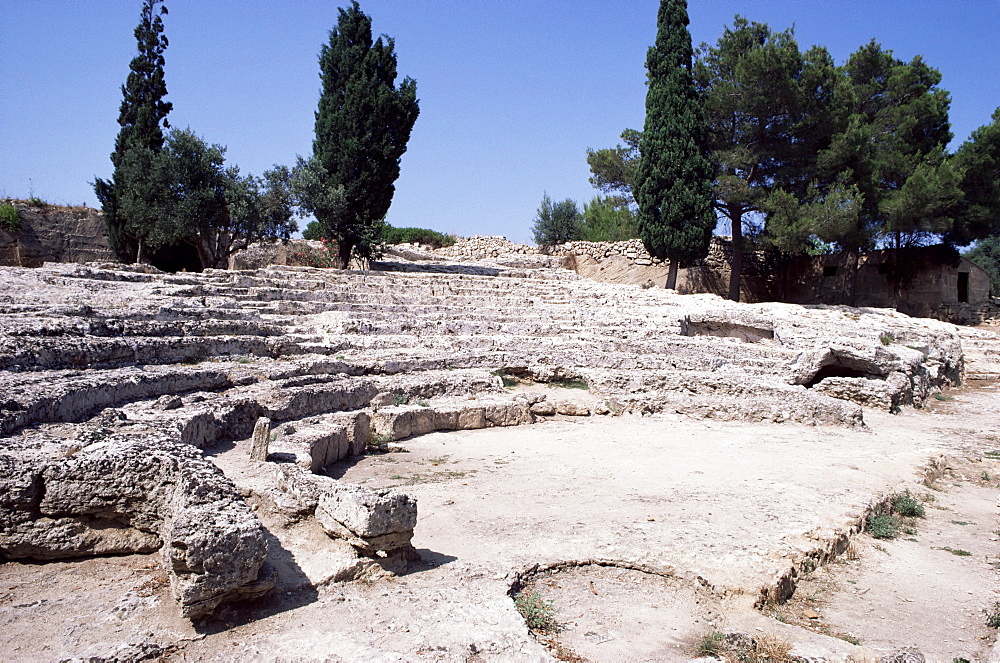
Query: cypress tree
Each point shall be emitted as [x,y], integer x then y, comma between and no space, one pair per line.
[362,126]
[673,183]
[129,200]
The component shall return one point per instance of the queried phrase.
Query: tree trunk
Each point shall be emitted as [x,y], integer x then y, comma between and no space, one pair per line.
[854,277]
[344,250]
[672,275]
[735,215]
[139,252]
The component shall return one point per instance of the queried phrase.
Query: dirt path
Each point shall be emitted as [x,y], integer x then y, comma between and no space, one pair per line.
[699,517]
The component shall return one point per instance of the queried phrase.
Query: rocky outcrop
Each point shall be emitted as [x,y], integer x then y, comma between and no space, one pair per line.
[112,378]
[136,492]
[52,233]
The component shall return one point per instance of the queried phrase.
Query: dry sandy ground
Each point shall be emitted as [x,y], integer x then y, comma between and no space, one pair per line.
[689,518]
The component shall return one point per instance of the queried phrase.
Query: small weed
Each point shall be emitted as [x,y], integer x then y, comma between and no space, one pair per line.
[959,659]
[713,643]
[993,455]
[35,201]
[377,443]
[570,383]
[847,637]
[243,360]
[956,551]
[960,522]
[400,399]
[423,403]
[887,338]
[882,527]
[985,476]
[993,616]
[396,477]
[907,505]
[273,436]
[538,613]
[341,357]
[942,397]
[10,218]
[508,381]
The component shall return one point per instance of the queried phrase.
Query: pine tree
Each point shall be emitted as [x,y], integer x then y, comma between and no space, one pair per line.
[673,183]
[130,200]
[362,126]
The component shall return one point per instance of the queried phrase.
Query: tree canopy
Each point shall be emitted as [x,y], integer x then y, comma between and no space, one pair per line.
[556,223]
[673,181]
[142,118]
[362,126]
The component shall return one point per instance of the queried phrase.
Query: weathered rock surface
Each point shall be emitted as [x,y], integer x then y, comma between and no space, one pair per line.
[51,233]
[135,492]
[112,377]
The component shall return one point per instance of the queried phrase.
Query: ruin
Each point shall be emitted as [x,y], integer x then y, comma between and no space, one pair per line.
[144,412]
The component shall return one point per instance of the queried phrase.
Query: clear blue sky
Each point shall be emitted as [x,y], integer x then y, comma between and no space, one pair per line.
[512,92]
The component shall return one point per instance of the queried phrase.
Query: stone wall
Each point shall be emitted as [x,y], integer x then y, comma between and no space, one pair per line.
[52,233]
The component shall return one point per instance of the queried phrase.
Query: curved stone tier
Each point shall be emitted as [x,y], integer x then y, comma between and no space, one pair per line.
[112,378]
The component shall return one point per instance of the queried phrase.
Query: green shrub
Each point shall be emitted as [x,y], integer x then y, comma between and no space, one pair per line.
[325,257]
[608,220]
[907,506]
[10,218]
[433,238]
[882,527]
[993,616]
[713,643]
[538,613]
[570,383]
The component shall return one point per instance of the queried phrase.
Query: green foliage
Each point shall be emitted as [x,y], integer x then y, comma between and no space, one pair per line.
[362,126]
[673,182]
[886,338]
[608,219]
[538,613]
[142,118]
[570,383]
[508,380]
[313,231]
[712,643]
[378,442]
[993,616]
[433,238]
[613,169]
[979,161]
[884,526]
[907,505]
[986,254]
[35,201]
[769,111]
[324,257]
[887,526]
[202,203]
[891,148]
[958,552]
[10,218]
[556,223]
[400,399]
